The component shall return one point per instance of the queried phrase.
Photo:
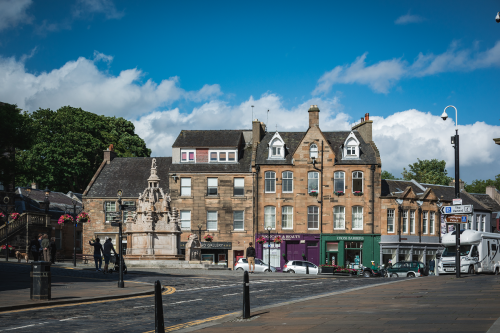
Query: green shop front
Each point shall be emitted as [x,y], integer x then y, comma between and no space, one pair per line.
[349,250]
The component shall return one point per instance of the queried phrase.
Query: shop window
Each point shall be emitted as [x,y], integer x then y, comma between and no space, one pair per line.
[357,218]
[339,217]
[412,221]
[390,220]
[339,181]
[239,186]
[287,181]
[270,182]
[287,217]
[357,181]
[270,217]
[312,217]
[186,219]
[212,186]
[332,246]
[432,221]
[185,187]
[313,182]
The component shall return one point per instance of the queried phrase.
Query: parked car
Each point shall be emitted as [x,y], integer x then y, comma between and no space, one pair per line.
[260,266]
[299,267]
[408,268]
[369,272]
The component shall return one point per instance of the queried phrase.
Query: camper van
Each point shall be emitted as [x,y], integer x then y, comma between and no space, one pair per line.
[479,252]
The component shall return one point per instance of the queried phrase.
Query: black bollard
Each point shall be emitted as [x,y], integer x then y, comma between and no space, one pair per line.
[159,322]
[307,268]
[246,296]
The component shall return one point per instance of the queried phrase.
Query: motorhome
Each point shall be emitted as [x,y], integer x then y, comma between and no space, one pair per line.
[479,252]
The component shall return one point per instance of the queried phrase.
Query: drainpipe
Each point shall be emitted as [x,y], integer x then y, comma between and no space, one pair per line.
[321,198]
[256,215]
[373,198]
[400,211]
[420,224]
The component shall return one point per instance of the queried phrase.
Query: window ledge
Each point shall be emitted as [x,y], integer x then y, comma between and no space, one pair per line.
[239,197]
[357,228]
[339,229]
[186,197]
[212,196]
[238,231]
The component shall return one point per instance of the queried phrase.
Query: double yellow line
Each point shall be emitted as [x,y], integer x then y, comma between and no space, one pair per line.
[193,323]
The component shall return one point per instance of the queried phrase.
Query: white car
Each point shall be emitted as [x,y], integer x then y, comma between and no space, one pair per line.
[299,267]
[260,266]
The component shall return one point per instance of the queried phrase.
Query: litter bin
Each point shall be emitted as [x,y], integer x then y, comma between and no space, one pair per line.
[40,281]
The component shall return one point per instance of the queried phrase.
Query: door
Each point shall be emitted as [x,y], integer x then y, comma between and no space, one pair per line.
[313,252]
[293,251]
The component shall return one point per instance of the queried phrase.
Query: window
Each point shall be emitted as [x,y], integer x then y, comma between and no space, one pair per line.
[276,151]
[239,186]
[287,217]
[390,220]
[483,222]
[357,181]
[313,182]
[223,156]
[276,148]
[270,217]
[338,181]
[412,221]
[188,156]
[212,220]
[357,218]
[213,156]
[351,150]
[338,217]
[238,221]
[425,219]
[478,221]
[59,239]
[313,151]
[185,187]
[109,207]
[211,186]
[186,219]
[432,222]
[231,156]
[405,221]
[270,183]
[312,217]
[128,213]
[287,182]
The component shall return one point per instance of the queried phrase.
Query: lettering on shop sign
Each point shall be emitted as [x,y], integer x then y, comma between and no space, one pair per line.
[349,238]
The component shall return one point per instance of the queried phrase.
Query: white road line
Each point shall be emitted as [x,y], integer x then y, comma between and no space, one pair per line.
[167,304]
[73,318]
[231,294]
[256,291]
[193,300]
[16,328]
[300,285]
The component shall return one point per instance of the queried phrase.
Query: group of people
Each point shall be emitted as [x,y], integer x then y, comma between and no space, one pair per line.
[105,251]
[42,248]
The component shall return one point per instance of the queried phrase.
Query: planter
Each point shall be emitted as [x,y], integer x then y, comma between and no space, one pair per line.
[327,270]
[339,193]
[358,194]
[313,194]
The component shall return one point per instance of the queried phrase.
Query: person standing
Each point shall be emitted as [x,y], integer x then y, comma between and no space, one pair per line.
[251,257]
[108,246]
[53,250]
[34,248]
[97,253]
[46,247]
[40,249]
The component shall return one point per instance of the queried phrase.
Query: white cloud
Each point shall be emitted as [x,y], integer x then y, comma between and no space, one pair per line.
[383,75]
[107,7]
[13,12]
[408,18]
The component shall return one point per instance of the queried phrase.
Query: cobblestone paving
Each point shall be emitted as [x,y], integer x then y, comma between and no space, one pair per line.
[198,295]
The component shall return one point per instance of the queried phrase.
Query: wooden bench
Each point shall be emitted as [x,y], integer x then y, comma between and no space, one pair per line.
[84,257]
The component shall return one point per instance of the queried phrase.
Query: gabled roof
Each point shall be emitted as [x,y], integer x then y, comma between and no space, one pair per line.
[243,165]
[486,200]
[392,186]
[208,139]
[59,202]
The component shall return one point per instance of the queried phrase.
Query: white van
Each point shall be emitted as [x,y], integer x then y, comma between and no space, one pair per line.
[479,252]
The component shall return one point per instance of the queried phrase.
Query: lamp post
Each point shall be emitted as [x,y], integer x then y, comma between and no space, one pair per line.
[269,248]
[120,281]
[47,201]
[6,201]
[455,141]
[74,202]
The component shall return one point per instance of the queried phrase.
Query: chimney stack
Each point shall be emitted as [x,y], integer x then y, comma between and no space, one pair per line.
[34,186]
[109,154]
[365,128]
[258,130]
[313,116]
[461,183]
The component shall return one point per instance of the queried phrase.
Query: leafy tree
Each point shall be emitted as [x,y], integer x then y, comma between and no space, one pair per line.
[387,175]
[428,171]
[479,185]
[69,144]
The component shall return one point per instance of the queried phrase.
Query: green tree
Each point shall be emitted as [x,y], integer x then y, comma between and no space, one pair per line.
[387,175]
[68,147]
[428,171]
[479,185]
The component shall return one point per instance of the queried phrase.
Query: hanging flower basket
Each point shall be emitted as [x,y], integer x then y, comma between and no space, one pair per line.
[82,217]
[209,238]
[358,193]
[65,218]
[339,193]
[278,240]
[261,240]
[14,216]
[10,247]
[2,215]
[313,193]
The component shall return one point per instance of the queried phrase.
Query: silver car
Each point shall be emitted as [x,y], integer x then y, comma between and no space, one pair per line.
[260,266]
[299,267]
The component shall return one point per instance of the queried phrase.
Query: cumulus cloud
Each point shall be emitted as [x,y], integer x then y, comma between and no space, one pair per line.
[107,7]
[13,12]
[408,18]
[383,75]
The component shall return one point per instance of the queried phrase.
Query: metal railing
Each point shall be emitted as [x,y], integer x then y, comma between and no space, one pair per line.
[22,223]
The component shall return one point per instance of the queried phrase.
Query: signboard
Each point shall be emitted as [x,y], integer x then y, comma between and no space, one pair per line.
[211,245]
[131,208]
[456,219]
[114,214]
[115,224]
[457,201]
[459,209]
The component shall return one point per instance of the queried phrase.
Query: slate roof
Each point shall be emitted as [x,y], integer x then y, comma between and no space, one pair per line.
[334,139]
[393,186]
[487,201]
[59,202]
[208,139]
[130,174]
[243,165]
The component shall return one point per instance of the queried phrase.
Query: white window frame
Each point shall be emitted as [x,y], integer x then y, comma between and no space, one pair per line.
[211,221]
[412,221]
[390,221]
[336,177]
[187,151]
[478,222]
[242,220]
[270,217]
[339,218]
[212,184]
[276,148]
[185,218]
[109,207]
[357,217]
[425,219]
[311,176]
[483,222]
[311,212]
[272,181]
[405,221]
[289,178]
[351,151]
[357,173]
[313,150]
[287,216]
[218,152]
[185,187]
[240,187]
[432,221]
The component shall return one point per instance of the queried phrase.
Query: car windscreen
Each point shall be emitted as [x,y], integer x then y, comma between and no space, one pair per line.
[450,251]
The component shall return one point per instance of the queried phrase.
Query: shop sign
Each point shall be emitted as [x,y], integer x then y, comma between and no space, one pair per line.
[211,245]
[351,238]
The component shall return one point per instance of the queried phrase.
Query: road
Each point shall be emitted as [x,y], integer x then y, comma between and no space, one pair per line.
[191,296]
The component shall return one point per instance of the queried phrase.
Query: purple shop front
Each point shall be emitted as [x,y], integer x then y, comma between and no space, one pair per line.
[294,247]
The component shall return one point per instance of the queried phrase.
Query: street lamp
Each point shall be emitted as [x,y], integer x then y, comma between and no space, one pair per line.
[75,223]
[269,248]
[455,141]
[47,201]
[120,281]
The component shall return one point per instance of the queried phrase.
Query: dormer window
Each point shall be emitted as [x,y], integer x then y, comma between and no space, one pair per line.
[351,150]
[188,155]
[276,152]
[276,147]
[351,147]
[313,151]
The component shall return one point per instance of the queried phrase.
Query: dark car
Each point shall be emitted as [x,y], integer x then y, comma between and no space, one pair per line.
[408,269]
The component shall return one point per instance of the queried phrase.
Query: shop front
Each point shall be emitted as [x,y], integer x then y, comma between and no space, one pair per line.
[349,250]
[293,247]
[408,249]
[215,252]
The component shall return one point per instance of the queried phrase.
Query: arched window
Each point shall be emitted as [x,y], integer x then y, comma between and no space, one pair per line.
[287,217]
[357,218]
[270,217]
[312,217]
[270,182]
[313,151]
[357,181]
[287,182]
[339,217]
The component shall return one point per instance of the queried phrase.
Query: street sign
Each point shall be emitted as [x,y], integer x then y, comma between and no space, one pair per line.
[115,224]
[131,208]
[114,214]
[457,201]
[456,218]
[459,209]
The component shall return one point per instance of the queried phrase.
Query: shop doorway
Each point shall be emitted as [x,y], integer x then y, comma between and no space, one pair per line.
[293,251]
[237,255]
[332,258]
[313,252]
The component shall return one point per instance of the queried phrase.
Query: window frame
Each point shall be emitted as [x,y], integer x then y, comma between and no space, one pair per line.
[212,187]
[271,180]
[404,221]
[268,213]
[211,220]
[288,179]
[223,151]
[359,214]
[182,220]
[432,223]
[235,188]
[129,212]
[313,150]
[391,218]
[483,222]
[242,220]
[182,194]
[425,222]
[412,222]
[309,178]
[276,148]
[188,151]
[336,215]
[287,216]
[362,181]
[315,212]
[351,150]
[106,211]
[336,179]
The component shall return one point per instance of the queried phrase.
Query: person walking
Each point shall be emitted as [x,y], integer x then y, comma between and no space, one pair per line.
[34,248]
[53,250]
[251,257]
[40,249]
[108,246]
[97,254]
[46,247]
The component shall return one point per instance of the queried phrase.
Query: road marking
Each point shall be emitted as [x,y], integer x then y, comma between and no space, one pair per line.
[256,291]
[193,323]
[300,285]
[231,294]
[192,300]
[16,328]
[166,304]
[73,318]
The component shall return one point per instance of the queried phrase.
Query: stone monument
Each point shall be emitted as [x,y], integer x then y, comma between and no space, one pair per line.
[193,248]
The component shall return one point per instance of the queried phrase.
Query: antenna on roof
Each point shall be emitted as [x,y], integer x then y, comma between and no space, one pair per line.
[252,112]
[267,122]
[276,127]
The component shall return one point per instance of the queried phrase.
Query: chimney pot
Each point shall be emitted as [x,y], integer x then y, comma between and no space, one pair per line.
[367,116]
[34,186]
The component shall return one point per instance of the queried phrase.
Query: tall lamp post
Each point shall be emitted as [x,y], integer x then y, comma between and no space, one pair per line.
[269,248]
[121,284]
[6,200]
[75,223]
[455,141]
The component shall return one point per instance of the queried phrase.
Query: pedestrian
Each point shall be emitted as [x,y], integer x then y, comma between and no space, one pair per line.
[46,247]
[108,246]
[53,250]
[40,249]
[432,265]
[34,248]
[251,257]
[97,254]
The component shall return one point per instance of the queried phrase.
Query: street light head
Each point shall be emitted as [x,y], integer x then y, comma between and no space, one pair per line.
[444,115]
[119,193]
[268,228]
[47,191]
[498,17]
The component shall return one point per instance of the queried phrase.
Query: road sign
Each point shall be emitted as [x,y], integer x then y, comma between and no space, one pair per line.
[459,209]
[456,218]
[457,201]
[131,208]
[115,224]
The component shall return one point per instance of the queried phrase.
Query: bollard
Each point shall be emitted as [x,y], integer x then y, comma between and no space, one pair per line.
[307,268]
[159,322]
[246,296]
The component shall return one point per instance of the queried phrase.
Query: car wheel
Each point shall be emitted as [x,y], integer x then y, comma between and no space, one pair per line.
[239,269]
[411,275]
[394,275]
[291,271]
[267,271]
[471,269]
[366,274]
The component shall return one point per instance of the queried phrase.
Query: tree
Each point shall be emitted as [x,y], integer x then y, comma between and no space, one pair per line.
[479,186]
[69,144]
[428,171]
[387,175]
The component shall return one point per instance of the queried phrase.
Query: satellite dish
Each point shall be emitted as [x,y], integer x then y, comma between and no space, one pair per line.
[399,201]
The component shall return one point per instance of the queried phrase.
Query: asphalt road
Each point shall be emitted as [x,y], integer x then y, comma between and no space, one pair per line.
[197,296]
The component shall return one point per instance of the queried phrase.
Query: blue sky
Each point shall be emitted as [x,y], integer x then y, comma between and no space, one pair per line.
[171,65]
